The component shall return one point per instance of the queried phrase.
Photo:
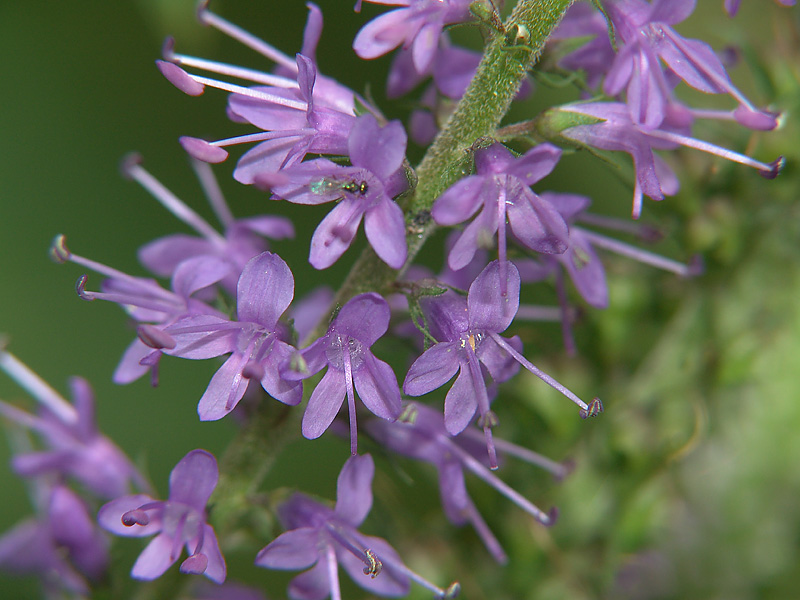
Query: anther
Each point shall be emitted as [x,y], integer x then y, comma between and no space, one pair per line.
[776,167]
[58,249]
[452,591]
[374,565]
[202,150]
[552,517]
[595,408]
[253,370]
[128,163]
[135,517]
[155,338]
[196,564]
[80,287]
[180,78]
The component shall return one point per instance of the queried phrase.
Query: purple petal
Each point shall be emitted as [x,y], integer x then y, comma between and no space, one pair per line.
[460,201]
[537,225]
[498,362]
[216,570]
[335,233]
[461,402]
[382,35]
[453,491]
[206,337]
[197,273]
[161,256]
[314,584]
[110,516]
[70,524]
[535,164]
[155,559]
[265,290]
[193,479]
[385,227]
[287,391]
[586,270]
[365,318]
[425,43]
[433,369]
[83,400]
[324,404]
[130,367]
[488,305]
[312,31]
[295,549]
[475,236]
[225,389]
[695,62]
[354,489]
[275,228]
[671,11]
[377,149]
[376,385]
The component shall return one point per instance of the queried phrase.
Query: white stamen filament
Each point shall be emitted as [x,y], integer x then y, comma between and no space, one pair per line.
[38,388]
[709,148]
[205,176]
[250,93]
[213,66]
[644,256]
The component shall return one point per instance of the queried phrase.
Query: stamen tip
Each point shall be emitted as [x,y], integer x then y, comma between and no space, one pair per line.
[452,591]
[567,467]
[595,408]
[155,338]
[168,49]
[196,564]
[552,517]
[80,287]
[696,266]
[58,249]
[180,78]
[203,150]
[776,167]
[201,10]
[128,163]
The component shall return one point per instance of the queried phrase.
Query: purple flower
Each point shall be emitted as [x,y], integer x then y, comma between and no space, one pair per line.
[147,302]
[265,290]
[644,34]
[322,538]
[74,446]
[732,6]
[179,521]
[468,333]
[297,110]
[241,241]
[500,191]
[616,131]
[420,433]
[364,189]
[345,351]
[60,546]
[417,25]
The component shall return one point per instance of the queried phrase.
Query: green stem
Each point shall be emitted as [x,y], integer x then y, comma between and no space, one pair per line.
[508,57]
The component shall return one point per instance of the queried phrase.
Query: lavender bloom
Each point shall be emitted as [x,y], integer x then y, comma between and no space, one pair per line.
[644,35]
[320,537]
[501,189]
[75,448]
[364,189]
[420,433]
[594,57]
[417,25]
[468,333]
[616,131]
[265,290]
[345,351]
[147,302]
[179,521]
[298,110]
[242,239]
[60,546]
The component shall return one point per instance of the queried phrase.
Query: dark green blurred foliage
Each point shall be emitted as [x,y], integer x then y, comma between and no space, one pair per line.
[686,487]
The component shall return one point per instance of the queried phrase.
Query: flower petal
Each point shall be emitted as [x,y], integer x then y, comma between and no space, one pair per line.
[155,559]
[265,290]
[433,369]
[295,549]
[461,402]
[354,489]
[488,305]
[225,389]
[376,385]
[386,231]
[324,404]
[193,479]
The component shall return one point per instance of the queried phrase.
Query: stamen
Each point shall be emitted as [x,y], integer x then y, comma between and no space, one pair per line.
[375,566]
[595,408]
[171,202]
[212,66]
[648,258]
[213,192]
[483,406]
[202,150]
[646,233]
[253,370]
[196,564]
[38,388]
[58,249]
[128,299]
[559,470]
[770,171]
[206,17]
[193,85]
[536,371]
[351,401]
[530,312]
[136,516]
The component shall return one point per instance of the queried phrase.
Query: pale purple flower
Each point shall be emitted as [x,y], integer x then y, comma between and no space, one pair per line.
[297,110]
[417,25]
[148,303]
[74,448]
[644,34]
[177,522]
[364,189]
[351,366]
[615,130]
[60,546]
[420,433]
[322,538]
[500,192]
[468,333]
[242,238]
[265,290]
[582,20]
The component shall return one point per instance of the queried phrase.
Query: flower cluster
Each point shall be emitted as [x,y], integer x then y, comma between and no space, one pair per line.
[314,141]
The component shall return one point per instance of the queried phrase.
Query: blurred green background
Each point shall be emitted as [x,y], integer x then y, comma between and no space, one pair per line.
[686,487]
